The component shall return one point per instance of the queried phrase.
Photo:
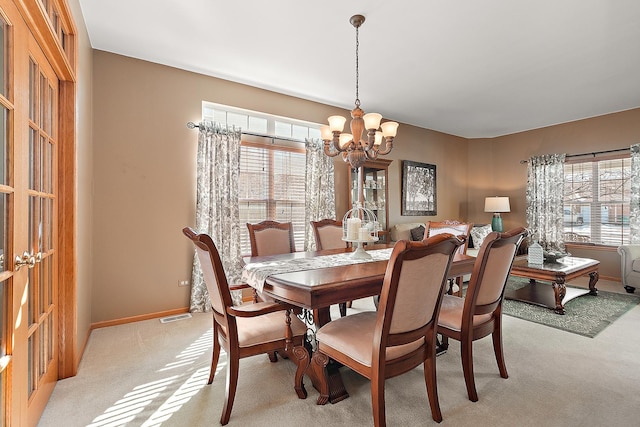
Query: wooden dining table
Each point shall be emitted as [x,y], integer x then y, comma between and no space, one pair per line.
[318,289]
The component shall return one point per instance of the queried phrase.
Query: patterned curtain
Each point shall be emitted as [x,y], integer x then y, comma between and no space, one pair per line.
[545,201]
[217,205]
[320,189]
[634,215]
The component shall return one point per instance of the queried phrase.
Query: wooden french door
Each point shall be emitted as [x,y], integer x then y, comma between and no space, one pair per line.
[28,223]
[40,168]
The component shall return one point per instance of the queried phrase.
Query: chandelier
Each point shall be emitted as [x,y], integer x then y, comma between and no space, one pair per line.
[356,150]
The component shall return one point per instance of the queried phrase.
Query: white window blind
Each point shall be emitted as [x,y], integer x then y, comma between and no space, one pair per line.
[596,200]
[272,167]
[272,187]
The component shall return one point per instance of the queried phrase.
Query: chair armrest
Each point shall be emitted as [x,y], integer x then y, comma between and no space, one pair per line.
[631,251]
[627,254]
[257,309]
[239,286]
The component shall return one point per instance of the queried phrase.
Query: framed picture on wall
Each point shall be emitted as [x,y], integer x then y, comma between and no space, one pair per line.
[418,188]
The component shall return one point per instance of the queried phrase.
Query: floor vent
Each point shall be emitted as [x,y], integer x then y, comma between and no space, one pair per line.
[175,318]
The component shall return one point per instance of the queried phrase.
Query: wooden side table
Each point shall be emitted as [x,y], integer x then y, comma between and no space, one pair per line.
[558,273]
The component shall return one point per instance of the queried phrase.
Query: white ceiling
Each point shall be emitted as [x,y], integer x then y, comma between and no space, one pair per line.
[464,67]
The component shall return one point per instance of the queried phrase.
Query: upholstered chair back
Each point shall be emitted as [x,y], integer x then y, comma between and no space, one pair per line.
[328,234]
[214,276]
[271,238]
[492,268]
[415,282]
[418,291]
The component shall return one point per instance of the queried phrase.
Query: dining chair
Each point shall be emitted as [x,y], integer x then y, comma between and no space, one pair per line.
[401,334]
[271,238]
[457,229]
[479,313]
[328,235]
[248,329]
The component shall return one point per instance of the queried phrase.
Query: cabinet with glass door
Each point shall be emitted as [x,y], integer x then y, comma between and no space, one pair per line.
[374,192]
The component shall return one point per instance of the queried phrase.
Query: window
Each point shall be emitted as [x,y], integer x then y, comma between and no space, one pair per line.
[272,187]
[596,201]
[272,167]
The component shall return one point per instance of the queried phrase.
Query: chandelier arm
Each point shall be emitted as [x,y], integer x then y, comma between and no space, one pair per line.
[371,139]
[336,142]
[388,146]
[371,154]
[328,151]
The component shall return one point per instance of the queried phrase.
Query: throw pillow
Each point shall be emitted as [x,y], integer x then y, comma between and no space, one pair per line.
[417,234]
[479,234]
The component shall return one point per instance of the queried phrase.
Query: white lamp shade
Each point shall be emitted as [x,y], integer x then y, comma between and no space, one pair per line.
[389,129]
[378,139]
[325,132]
[497,204]
[336,123]
[372,120]
[345,138]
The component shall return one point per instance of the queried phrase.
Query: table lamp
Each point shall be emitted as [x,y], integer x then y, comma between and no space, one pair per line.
[496,205]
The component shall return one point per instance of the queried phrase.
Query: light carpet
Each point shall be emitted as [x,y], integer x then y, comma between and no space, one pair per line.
[152,374]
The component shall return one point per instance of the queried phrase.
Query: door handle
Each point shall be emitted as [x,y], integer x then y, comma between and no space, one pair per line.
[25,260]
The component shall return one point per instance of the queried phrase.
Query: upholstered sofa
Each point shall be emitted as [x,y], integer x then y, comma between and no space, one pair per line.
[412,231]
[415,231]
[403,231]
[630,266]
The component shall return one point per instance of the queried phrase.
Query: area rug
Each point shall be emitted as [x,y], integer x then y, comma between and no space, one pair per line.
[585,315]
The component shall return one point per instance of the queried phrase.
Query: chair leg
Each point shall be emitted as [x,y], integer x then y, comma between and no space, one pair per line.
[232,383]
[343,309]
[466,346]
[216,353]
[497,348]
[450,287]
[273,357]
[445,342]
[432,387]
[460,283]
[377,401]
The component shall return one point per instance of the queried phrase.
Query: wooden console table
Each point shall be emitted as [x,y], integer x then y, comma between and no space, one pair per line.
[557,273]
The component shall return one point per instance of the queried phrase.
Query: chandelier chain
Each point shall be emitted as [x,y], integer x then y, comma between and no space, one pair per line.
[357,67]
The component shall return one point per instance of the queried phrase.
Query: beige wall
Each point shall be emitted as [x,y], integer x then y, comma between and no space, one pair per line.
[495,167]
[84,162]
[144,175]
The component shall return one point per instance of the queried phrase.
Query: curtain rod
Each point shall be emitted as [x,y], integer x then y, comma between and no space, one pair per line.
[192,125]
[593,153]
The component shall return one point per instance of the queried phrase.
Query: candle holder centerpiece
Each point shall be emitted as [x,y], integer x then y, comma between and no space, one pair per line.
[359,226]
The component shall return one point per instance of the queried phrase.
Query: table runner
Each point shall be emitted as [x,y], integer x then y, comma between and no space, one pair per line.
[256,273]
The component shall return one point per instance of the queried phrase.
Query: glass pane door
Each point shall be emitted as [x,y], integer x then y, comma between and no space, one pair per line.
[6,197]
[42,291]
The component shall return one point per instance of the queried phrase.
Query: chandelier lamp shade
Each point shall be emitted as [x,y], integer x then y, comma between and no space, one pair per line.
[497,205]
[356,149]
